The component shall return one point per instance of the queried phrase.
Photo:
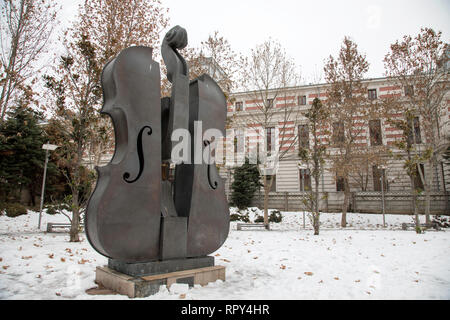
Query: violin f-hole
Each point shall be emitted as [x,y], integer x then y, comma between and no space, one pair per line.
[126,175]
[212,184]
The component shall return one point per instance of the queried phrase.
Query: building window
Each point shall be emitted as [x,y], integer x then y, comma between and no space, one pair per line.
[376,138]
[239,141]
[409,90]
[414,128]
[338,132]
[305,180]
[269,103]
[239,106]
[377,175]
[270,140]
[302,100]
[340,183]
[372,94]
[303,136]
[418,184]
[272,181]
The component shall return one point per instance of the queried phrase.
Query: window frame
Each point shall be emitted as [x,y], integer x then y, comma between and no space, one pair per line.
[370,96]
[340,183]
[301,100]
[307,181]
[303,134]
[378,141]
[338,135]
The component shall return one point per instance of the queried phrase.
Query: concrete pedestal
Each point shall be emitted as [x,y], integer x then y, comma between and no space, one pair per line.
[139,287]
[158,267]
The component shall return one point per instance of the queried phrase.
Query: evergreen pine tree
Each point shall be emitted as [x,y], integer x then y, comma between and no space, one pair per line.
[246,183]
[21,153]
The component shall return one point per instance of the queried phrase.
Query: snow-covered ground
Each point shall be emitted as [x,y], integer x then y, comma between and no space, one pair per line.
[363,261]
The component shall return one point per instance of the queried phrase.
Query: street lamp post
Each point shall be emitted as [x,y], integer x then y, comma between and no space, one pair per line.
[46,147]
[382,195]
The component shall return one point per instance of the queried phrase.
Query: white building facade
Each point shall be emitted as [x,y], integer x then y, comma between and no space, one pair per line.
[291,176]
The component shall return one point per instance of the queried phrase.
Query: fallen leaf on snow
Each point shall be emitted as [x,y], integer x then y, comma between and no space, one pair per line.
[63,260]
[336,278]
[5,267]
[357,280]
[51,255]
[27,257]
[308,273]
[282,267]
[183,295]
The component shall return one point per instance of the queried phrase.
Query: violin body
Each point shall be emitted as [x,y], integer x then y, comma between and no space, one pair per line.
[135,213]
[199,190]
[123,214]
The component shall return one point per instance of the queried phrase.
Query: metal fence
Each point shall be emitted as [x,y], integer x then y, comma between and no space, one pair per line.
[364,202]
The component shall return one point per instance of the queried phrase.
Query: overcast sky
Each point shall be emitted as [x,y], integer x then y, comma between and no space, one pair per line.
[309,30]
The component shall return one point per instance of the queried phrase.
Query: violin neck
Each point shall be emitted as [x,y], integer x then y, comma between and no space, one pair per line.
[179,104]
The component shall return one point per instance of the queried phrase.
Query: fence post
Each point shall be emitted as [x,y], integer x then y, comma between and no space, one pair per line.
[353,202]
[286,202]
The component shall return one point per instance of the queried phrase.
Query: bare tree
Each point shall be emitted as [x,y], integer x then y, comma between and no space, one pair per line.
[350,111]
[314,156]
[417,66]
[25,29]
[76,87]
[268,76]
[113,26]
[214,57]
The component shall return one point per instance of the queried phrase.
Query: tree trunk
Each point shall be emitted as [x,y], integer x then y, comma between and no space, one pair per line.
[316,214]
[75,225]
[346,202]
[414,205]
[429,183]
[266,202]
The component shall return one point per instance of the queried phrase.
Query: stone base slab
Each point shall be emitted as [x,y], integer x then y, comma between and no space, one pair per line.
[139,287]
[157,267]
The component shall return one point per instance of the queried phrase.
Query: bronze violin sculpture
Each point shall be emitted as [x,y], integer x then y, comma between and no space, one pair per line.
[136,213]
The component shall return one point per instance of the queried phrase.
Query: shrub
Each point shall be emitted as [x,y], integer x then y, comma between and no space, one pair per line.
[51,210]
[2,207]
[259,219]
[275,216]
[15,209]
[239,217]
[441,221]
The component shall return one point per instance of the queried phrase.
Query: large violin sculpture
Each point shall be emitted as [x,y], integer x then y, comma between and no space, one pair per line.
[136,213]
